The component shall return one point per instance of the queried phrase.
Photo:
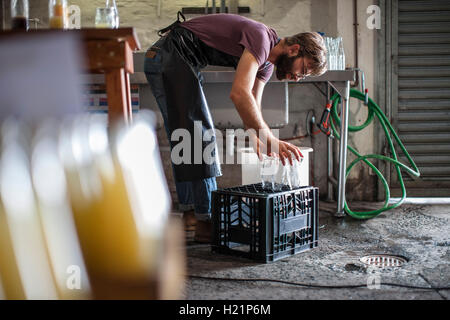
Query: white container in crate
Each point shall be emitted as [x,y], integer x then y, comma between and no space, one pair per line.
[251,166]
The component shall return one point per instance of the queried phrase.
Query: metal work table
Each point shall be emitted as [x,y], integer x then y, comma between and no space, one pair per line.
[339,80]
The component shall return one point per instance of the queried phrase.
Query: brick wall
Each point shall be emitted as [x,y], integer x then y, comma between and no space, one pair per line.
[286,16]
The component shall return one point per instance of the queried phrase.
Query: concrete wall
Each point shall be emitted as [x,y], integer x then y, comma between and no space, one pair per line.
[362,181]
[334,17]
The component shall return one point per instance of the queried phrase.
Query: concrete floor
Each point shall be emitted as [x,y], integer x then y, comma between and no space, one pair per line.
[420,233]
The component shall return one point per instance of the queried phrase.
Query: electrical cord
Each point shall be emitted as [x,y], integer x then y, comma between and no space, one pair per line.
[316,285]
[300,137]
[308,131]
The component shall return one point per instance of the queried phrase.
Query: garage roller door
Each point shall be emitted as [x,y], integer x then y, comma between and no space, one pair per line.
[421,112]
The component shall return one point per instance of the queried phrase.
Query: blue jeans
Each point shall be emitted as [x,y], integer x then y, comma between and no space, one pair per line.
[191,194]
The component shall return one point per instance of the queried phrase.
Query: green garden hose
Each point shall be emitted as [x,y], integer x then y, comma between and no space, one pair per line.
[374,110]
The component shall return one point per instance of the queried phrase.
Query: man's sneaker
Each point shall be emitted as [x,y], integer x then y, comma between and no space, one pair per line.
[203,232]
[189,220]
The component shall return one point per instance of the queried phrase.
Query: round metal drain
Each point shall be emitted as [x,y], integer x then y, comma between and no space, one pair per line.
[383,260]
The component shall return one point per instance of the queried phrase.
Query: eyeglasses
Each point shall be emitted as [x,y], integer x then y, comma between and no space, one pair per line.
[299,76]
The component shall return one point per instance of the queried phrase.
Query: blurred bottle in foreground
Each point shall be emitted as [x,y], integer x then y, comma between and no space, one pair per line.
[120,204]
[25,271]
[57,14]
[56,217]
[19,15]
[84,212]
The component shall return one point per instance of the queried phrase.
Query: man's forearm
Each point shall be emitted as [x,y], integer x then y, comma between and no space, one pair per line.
[257,99]
[249,111]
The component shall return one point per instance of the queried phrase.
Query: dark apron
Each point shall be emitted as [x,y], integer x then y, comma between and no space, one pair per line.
[183,56]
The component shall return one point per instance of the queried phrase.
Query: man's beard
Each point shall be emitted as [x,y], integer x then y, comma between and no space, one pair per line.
[284,66]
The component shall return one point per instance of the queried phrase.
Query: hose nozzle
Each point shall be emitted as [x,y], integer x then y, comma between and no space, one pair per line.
[324,125]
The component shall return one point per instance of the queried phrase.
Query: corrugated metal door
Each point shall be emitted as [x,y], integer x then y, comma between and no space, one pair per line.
[421,110]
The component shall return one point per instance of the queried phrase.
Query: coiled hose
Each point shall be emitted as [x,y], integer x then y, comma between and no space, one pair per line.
[374,110]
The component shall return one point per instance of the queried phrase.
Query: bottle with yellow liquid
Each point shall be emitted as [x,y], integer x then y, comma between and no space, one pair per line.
[120,251]
[55,215]
[57,14]
[25,270]
[9,273]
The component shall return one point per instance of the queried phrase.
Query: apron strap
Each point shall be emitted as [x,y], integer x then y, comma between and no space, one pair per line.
[179,13]
[165,30]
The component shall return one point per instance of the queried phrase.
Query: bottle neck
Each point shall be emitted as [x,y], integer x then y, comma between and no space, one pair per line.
[111,3]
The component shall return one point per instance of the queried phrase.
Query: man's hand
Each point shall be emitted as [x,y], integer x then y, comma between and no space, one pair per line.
[266,143]
[285,149]
[245,93]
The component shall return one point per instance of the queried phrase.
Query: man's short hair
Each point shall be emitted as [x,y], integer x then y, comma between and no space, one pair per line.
[312,46]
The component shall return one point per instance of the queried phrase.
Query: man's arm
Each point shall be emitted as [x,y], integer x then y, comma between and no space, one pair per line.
[242,93]
[257,91]
[246,93]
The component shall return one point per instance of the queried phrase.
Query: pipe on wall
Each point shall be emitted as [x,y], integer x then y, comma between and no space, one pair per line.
[233,6]
[355,37]
[158,9]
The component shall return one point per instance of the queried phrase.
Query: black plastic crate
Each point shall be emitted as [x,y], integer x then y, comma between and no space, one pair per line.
[263,225]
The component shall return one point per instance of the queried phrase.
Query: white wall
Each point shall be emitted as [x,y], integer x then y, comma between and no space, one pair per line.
[364,140]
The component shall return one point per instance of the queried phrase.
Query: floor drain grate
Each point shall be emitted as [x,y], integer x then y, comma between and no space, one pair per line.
[383,260]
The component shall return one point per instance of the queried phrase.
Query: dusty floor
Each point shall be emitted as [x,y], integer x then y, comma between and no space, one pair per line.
[420,233]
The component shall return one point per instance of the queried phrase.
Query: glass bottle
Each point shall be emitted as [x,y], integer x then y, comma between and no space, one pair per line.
[105,18]
[327,45]
[334,56]
[341,55]
[57,14]
[56,218]
[112,4]
[286,178]
[268,171]
[27,267]
[19,15]
[296,173]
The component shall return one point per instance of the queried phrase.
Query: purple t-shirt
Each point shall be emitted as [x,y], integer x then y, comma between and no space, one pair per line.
[232,33]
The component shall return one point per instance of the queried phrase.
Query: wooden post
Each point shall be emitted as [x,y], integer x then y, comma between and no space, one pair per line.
[115,59]
[128,91]
[116,90]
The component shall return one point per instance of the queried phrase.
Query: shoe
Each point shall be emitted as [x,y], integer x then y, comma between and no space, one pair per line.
[189,220]
[203,232]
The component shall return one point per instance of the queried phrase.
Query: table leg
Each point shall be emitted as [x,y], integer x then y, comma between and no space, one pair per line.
[116,90]
[330,195]
[343,151]
[128,89]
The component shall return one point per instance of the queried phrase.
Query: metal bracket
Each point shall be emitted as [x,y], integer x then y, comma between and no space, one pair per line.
[339,86]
